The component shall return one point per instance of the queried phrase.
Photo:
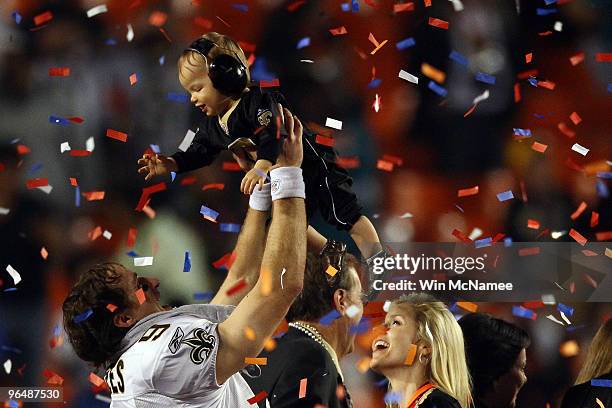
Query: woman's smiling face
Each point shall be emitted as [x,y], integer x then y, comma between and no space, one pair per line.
[390,349]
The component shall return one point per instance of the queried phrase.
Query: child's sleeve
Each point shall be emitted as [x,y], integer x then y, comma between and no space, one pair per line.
[199,154]
[265,117]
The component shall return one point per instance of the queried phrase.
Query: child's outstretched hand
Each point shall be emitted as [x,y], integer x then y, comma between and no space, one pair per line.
[157,165]
[256,176]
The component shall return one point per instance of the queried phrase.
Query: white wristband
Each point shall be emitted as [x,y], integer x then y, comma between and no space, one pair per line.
[287,182]
[261,200]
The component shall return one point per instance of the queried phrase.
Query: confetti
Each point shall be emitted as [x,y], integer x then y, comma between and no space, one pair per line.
[405,43]
[437,89]
[111,307]
[7,366]
[133,79]
[594,219]
[577,237]
[143,261]
[409,360]
[566,130]
[533,224]
[333,123]
[377,45]
[158,18]
[94,11]
[331,271]
[94,195]
[520,311]
[384,165]
[16,16]
[107,234]
[241,284]
[324,140]
[302,392]
[603,57]
[599,403]
[579,210]
[528,57]
[466,192]
[483,243]
[580,149]
[131,238]
[338,31]
[469,306]
[258,397]
[229,227]
[43,253]
[433,73]
[256,360]
[577,58]
[59,72]
[187,262]
[352,311]
[575,118]
[265,277]
[129,36]
[600,382]
[303,43]
[140,295]
[505,196]
[43,18]
[401,7]
[269,84]
[114,134]
[436,22]
[486,78]
[539,147]
[458,58]
[95,380]
[80,318]
[209,213]
[408,77]
[37,182]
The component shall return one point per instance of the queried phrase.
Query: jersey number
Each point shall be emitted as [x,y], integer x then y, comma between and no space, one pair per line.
[154,332]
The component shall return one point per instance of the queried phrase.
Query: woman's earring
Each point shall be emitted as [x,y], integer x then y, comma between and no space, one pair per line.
[421,361]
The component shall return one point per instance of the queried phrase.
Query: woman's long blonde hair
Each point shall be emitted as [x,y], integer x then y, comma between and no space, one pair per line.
[437,327]
[599,357]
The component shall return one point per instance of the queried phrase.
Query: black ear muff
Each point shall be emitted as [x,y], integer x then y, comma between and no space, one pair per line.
[228,75]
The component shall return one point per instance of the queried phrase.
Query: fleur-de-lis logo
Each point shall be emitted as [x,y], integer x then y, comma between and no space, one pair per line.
[263,117]
[200,342]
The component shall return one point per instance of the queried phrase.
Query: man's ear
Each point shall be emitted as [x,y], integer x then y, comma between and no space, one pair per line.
[341,301]
[123,320]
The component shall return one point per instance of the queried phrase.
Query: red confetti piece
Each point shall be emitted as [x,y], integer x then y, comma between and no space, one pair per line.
[603,57]
[461,236]
[325,141]
[53,378]
[295,5]
[303,384]
[498,237]
[213,186]
[43,18]
[469,111]
[545,33]
[269,84]
[528,57]
[95,233]
[589,281]
[80,153]
[247,46]
[517,93]
[594,219]
[226,260]
[539,147]
[396,160]
[76,119]
[529,251]
[240,285]
[161,30]
[338,31]
[111,307]
[398,8]
[131,238]
[577,59]
[579,210]
[158,18]
[189,180]
[59,72]
[95,380]
[588,252]
[547,84]
[231,166]
[347,162]
[427,3]
[565,130]
[603,236]
[466,192]
[575,118]
[384,165]
[146,192]
[533,224]
[133,79]
[37,182]
[537,304]
[543,233]
[94,195]
[140,295]
[578,237]
[116,135]
[436,22]
[258,397]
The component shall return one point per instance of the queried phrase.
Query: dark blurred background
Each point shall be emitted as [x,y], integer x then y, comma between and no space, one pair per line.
[410,147]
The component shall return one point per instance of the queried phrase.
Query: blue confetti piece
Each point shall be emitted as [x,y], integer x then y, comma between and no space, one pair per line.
[13,404]
[486,78]
[538,116]
[453,308]
[16,16]
[10,290]
[520,311]
[229,227]
[505,196]
[345,7]
[132,254]
[260,72]
[173,175]
[187,263]
[604,174]
[522,132]
[459,58]
[533,82]
[57,330]
[77,196]
[355,6]
[155,148]
[405,43]
[303,43]
[178,97]
[482,243]
[574,328]
[602,189]
[549,2]
[374,83]
[545,12]
[83,316]
[12,349]
[610,87]
[437,89]
[204,296]
[35,168]
[508,242]
[241,7]
[393,397]
[162,60]
[111,41]
[382,383]
[209,212]
[58,121]
[568,311]
[601,382]
[362,327]
[329,318]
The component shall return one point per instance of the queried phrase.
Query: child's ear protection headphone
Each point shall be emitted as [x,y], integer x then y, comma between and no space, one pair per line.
[226,72]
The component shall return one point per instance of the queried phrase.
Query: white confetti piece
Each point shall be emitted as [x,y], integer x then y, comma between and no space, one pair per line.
[333,123]
[406,215]
[352,311]
[187,141]
[386,306]
[483,96]
[565,318]
[548,299]
[554,319]
[557,234]
[46,189]
[130,33]
[107,234]
[476,232]
[580,149]
[64,147]
[307,61]
[558,26]
[94,11]
[7,366]
[408,77]
[283,274]
[4,211]
[103,398]
[457,5]
[143,261]
[90,145]
[14,274]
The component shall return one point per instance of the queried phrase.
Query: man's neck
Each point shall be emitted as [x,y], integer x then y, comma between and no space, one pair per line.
[330,334]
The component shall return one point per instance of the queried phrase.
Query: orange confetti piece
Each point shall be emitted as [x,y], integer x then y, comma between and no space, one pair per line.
[528,57]
[158,18]
[575,118]
[577,59]
[469,306]
[114,134]
[133,79]
[398,8]
[269,84]
[331,271]
[397,161]
[95,380]
[325,141]
[594,219]
[37,182]
[338,31]
[547,84]
[578,237]
[140,295]
[213,186]
[53,378]
[436,22]
[256,360]
[579,210]
[249,333]
[466,192]
[427,3]
[94,195]
[95,233]
[43,18]
[59,72]
[588,252]
[346,162]
[539,147]
[270,344]
[266,282]
[384,165]
[533,224]
[302,392]
[111,307]
[433,73]
[411,355]
[43,253]
[73,182]
[363,364]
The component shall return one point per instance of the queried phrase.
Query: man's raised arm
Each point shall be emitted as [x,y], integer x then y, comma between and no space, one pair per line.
[282,268]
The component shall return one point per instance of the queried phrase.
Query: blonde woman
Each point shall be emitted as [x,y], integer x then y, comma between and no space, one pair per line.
[422,355]
[594,379]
